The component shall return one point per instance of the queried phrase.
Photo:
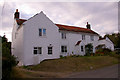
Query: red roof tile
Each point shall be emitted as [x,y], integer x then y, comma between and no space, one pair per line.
[75,29]
[64,27]
[20,21]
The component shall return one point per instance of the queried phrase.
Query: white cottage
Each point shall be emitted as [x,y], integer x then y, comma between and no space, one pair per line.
[38,38]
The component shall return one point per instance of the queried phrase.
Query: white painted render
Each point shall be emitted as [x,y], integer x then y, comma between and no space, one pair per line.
[28,37]
[17,43]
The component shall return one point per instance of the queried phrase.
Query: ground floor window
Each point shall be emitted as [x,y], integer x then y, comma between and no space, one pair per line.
[63,48]
[82,49]
[49,50]
[37,50]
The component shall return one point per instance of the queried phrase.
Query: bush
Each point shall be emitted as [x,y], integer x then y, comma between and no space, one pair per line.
[102,52]
[62,56]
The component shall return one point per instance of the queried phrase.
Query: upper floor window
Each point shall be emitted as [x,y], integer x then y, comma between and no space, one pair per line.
[42,32]
[63,48]
[83,37]
[92,38]
[63,35]
[37,50]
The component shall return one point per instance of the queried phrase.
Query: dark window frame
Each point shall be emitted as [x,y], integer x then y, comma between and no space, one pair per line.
[63,48]
[83,37]
[82,49]
[50,50]
[63,35]
[42,32]
[37,50]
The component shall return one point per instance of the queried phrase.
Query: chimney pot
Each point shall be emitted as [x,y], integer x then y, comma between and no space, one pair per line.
[88,26]
[87,23]
[16,10]
[16,15]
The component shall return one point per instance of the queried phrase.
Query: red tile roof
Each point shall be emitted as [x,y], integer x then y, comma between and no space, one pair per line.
[64,27]
[20,21]
[75,29]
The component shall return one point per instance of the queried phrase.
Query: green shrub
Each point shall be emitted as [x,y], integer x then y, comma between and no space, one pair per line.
[102,52]
[62,56]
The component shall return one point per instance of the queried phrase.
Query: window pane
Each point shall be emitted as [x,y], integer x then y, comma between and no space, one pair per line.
[62,48]
[63,35]
[83,37]
[35,51]
[44,32]
[49,50]
[40,32]
[35,47]
[65,48]
[82,48]
[39,50]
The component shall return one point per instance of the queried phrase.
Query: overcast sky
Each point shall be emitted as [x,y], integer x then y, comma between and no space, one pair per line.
[103,16]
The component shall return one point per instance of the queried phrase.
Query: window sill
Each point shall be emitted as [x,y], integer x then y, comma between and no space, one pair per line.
[37,54]
[63,52]
[43,36]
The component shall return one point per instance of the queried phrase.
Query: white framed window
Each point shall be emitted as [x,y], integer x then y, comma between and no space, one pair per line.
[63,35]
[83,37]
[42,32]
[37,50]
[92,38]
[49,50]
[63,48]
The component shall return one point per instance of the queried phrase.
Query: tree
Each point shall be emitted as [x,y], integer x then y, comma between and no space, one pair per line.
[8,60]
[118,41]
[88,49]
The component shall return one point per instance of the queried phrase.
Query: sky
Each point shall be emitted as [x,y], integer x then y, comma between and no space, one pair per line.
[102,16]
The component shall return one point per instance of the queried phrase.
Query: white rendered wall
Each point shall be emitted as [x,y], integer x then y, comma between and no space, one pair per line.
[73,37]
[17,42]
[32,39]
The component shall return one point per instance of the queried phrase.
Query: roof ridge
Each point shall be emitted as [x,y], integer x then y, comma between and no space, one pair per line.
[70,26]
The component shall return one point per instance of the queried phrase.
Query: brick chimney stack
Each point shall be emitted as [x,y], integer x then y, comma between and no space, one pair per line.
[88,26]
[16,15]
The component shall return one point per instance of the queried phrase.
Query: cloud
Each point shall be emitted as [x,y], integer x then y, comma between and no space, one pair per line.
[101,15]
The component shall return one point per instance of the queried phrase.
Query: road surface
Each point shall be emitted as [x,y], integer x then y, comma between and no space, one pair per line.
[106,72]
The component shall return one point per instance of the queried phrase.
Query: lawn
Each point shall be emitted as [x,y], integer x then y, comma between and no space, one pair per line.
[63,66]
[74,64]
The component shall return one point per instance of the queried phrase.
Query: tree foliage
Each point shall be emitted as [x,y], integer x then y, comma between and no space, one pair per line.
[115,38]
[8,60]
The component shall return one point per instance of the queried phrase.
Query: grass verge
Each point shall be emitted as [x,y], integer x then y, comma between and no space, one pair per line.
[73,64]
[61,67]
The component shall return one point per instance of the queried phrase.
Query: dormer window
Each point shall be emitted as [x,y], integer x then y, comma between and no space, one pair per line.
[42,32]
[63,35]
